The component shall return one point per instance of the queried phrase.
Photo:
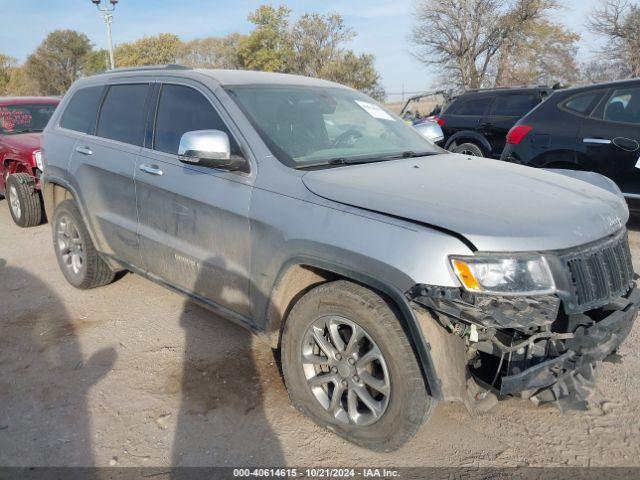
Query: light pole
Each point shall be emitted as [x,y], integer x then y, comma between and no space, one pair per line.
[107,16]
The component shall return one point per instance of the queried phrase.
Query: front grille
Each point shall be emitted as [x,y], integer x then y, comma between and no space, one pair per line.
[601,272]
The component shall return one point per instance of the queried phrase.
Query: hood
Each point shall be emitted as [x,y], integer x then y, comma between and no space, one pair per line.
[23,142]
[497,206]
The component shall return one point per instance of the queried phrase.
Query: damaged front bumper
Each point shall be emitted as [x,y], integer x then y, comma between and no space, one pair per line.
[569,378]
[528,346]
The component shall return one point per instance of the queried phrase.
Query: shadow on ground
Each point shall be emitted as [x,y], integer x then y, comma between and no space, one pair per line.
[44,377]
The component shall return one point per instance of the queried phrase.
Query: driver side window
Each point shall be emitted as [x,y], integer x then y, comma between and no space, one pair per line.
[183,109]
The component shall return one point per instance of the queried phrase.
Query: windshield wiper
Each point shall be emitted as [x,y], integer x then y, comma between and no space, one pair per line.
[28,130]
[362,160]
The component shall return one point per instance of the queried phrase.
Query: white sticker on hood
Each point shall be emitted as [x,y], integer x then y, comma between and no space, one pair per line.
[375,111]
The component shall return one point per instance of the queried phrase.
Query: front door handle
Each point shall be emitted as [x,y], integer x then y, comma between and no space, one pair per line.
[84,150]
[597,141]
[151,169]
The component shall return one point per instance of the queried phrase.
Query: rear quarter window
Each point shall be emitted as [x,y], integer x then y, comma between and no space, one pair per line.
[582,103]
[82,110]
[515,105]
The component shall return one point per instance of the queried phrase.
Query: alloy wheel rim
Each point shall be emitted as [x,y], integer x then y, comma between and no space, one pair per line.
[70,245]
[346,370]
[14,201]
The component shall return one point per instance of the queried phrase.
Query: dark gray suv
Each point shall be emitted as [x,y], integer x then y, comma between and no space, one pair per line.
[388,273]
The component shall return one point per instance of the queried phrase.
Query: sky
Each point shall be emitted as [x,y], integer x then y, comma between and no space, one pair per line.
[383,27]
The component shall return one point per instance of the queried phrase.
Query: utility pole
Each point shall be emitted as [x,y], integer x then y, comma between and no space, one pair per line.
[107,16]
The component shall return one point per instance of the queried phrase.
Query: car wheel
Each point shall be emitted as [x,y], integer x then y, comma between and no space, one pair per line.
[349,366]
[468,149]
[78,258]
[24,200]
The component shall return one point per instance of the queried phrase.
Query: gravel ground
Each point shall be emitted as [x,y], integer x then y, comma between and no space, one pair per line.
[133,375]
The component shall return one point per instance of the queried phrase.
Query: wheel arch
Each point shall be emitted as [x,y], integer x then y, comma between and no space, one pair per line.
[13,165]
[300,275]
[55,191]
[469,136]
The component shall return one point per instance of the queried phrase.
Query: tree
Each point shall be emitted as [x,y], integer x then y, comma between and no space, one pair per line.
[155,50]
[20,83]
[58,61]
[618,22]
[97,62]
[542,53]
[357,71]
[268,47]
[213,52]
[317,42]
[7,63]
[312,46]
[465,37]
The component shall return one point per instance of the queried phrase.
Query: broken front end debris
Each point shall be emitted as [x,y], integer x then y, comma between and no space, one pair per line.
[547,347]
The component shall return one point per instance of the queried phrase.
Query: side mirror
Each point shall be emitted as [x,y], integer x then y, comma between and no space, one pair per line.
[209,148]
[430,130]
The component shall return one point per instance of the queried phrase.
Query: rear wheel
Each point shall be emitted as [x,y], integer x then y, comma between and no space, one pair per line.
[77,256]
[348,365]
[24,200]
[468,149]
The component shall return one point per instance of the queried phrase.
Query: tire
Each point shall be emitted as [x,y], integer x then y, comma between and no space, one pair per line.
[24,200]
[77,257]
[404,408]
[468,149]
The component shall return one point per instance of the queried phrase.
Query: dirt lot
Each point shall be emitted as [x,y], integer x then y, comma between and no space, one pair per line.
[132,374]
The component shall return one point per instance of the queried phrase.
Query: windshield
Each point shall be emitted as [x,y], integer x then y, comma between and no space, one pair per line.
[316,126]
[24,118]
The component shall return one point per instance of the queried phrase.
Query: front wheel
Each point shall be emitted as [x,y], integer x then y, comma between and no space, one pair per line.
[349,366]
[24,200]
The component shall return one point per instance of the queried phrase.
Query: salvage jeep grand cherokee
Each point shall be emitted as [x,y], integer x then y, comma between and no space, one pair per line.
[390,274]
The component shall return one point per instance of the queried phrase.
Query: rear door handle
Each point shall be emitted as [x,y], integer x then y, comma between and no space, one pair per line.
[84,150]
[597,141]
[151,169]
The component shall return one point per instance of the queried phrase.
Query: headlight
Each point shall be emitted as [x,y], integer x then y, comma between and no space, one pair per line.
[504,275]
[38,157]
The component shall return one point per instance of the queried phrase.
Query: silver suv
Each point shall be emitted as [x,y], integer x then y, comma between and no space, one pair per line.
[388,273]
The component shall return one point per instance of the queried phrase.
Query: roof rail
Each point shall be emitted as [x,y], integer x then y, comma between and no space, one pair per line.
[513,87]
[170,66]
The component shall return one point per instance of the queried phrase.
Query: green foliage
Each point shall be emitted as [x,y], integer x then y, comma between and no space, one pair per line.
[96,62]
[58,61]
[314,45]
[7,63]
[213,52]
[155,50]
[20,83]
[357,71]
[268,47]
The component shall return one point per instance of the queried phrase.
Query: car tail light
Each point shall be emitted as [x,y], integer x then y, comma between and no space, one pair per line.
[517,133]
[439,119]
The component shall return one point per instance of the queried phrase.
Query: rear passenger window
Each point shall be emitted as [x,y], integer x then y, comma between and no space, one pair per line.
[469,106]
[183,109]
[583,103]
[624,106]
[82,110]
[514,105]
[123,114]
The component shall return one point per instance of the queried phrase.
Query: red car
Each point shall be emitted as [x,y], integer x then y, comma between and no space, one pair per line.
[22,120]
